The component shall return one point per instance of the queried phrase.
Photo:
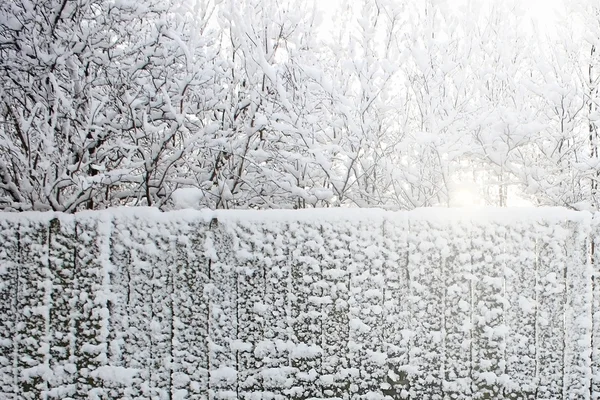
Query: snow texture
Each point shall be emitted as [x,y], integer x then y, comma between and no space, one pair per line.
[339,303]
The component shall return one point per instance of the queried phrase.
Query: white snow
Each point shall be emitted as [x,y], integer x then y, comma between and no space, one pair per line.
[116,374]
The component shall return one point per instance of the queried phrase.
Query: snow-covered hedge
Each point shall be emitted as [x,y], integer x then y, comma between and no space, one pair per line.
[427,304]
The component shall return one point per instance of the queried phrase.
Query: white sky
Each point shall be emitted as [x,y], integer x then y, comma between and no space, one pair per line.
[542,12]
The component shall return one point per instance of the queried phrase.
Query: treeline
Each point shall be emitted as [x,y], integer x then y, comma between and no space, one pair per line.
[191,305]
[282,104]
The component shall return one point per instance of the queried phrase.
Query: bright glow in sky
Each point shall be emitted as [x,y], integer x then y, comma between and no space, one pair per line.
[465,196]
[544,13]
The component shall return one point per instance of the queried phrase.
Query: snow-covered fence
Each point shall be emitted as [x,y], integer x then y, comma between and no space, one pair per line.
[429,304]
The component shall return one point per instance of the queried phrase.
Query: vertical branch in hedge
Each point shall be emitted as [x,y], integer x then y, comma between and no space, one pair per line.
[222,328]
[161,325]
[595,367]
[578,312]
[276,373]
[443,247]
[521,293]
[137,273]
[536,326]
[550,314]
[378,358]
[46,288]
[190,305]
[117,265]
[504,304]
[108,293]
[250,348]
[457,311]
[504,300]
[144,284]
[174,367]
[10,266]
[396,328]
[122,342]
[151,315]
[489,330]
[366,309]
[306,310]
[32,304]
[355,266]
[335,323]
[426,301]
[91,324]
[62,244]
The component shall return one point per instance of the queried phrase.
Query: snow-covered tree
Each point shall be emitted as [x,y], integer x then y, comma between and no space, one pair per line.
[98,102]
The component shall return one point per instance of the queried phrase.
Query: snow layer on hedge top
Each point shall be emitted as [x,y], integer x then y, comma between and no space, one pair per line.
[440,214]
